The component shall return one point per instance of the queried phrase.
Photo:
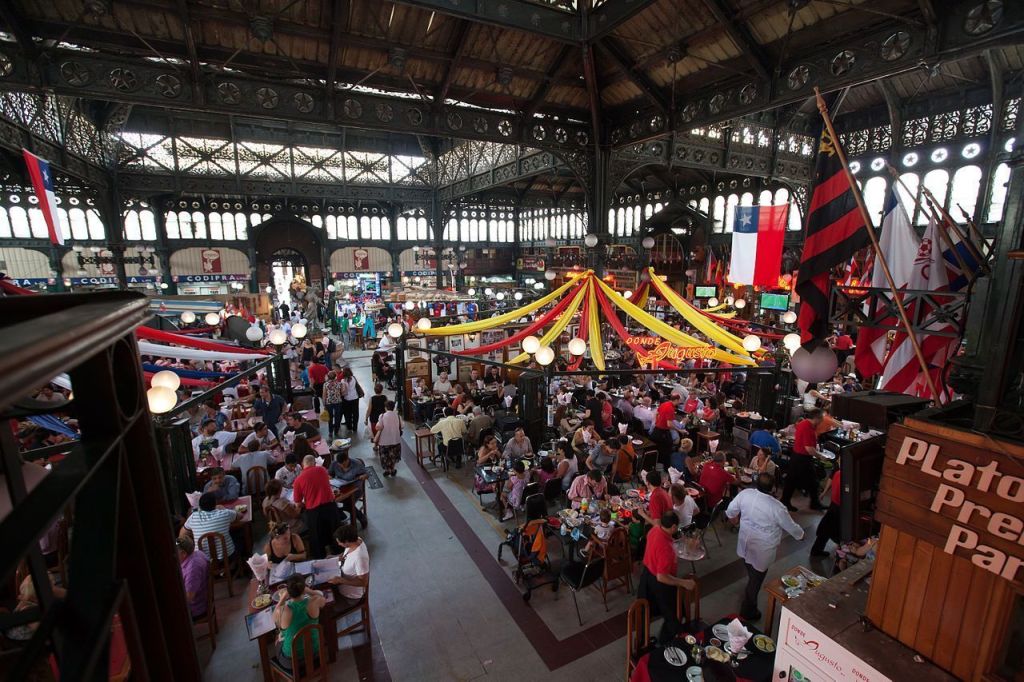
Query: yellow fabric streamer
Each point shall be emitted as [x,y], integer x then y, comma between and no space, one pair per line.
[718,307]
[556,329]
[703,324]
[498,320]
[594,324]
[668,333]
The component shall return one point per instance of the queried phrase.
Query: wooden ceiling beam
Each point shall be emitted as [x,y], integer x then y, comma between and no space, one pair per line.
[339,23]
[193,52]
[739,33]
[545,87]
[611,15]
[615,52]
[461,41]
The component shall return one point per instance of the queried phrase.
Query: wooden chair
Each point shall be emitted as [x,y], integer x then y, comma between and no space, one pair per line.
[688,602]
[216,547]
[273,514]
[308,662]
[209,619]
[255,482]
[638,633]
[618,564]
[359,504]
[363,606]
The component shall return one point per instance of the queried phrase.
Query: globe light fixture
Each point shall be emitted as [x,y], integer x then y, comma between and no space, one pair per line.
[627,294]
[813,367]
[518,295]
[299,330]
[544,356]
[538,285]
[188,317]
[791,342]
[409,305]
[500,296]
[577,346]
[729,300]
[395,330]
[751,343]
[488,292]
[212,319]
[423,324]
[550,275]
[254,333]
[531,344]
[164,285]
[590,240]
[648,243]
[740,303]
[471,292]
[166,379]
[330,288]
[789,317]
[278,337]
[712,302]
[161,399]
[269,290]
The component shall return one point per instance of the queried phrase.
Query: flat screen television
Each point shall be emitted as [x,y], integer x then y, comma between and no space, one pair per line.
[705,292]
[775,301]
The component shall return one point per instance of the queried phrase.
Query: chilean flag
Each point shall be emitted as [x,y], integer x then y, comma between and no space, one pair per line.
[757,235]
[42,182]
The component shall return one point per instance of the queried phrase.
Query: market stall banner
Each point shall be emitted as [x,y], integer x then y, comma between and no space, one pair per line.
[211,261]
[209,278]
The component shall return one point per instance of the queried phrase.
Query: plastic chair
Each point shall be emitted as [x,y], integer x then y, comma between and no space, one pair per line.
[638,633]
[216,547]
[618,564]
[363,606]
[688,602]
[553,489]
[578,576]
[209,619]
[307,664]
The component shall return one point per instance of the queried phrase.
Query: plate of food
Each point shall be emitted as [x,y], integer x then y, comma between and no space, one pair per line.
[792,581]
[716,654]
[744,415]
[764,643]
[637,441]
[721,631]
[675,656]
[633,492]
[261,601]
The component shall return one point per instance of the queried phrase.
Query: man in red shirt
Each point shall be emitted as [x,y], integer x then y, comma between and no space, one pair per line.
[828,527]
[842,345]
[662,433]
[800,472]
[658,501]
[715,479]
[658,581]
[317,376]
[313,493]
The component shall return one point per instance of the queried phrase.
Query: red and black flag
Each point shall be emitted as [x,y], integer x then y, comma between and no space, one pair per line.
[835,231]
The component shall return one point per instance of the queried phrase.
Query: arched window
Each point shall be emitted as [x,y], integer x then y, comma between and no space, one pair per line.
[332,227]
[795,219]
[648,211]
[964,196]
[216,231]
[765,198]
[704,205]
[936,182]
[781,196]
[401,228]
[147,219]
[907,189]
[611,221]
[5,224]
[719,214]
[422,229]
[19,223]
[385,228]
[997,202]
[451,230]
[364,227]
[620,223]
[627,227]
[255,219]
[199,225]
[171,225]
[730,211]
[658,206]
[351,230]
[747,199]
[96,229]
[636,220]
[38,223]
[78,224]
[227,224]
[132,231]
[375,228]
[241,229]
[317,221]
[874,198]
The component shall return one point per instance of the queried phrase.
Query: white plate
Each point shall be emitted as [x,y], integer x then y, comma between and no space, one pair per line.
[675,656]
[720,631]
[694,674]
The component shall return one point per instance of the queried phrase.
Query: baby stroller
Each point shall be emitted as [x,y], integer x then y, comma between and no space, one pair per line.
[529,545]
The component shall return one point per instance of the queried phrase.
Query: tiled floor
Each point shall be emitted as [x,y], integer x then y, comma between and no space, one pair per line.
[443,608]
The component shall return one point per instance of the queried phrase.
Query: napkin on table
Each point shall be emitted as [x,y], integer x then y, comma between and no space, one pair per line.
[258,563]
[738,634]
[319,461]
[675,475]
[193,498]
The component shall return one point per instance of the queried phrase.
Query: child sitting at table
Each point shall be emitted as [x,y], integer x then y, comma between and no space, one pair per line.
[512,497]
[602,531]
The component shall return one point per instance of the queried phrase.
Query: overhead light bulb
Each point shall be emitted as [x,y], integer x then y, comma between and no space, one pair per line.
[729,300]
[518,295]
[791,342]
[488,291]
[544,356]
[254,333]
[500,296]
[550,275]
[395,330]
[577,346]
[278,337]
[471,292]
[590,240]
[423,324]
[789,317]
[161,399]
[751,343]
[330,288]
[648,242]
[167,379]
[531,344]
[270,290]
[299,330]
[627,294]
[212,319]
[188,317]
[409,305]
[740,303]
[712,302]
[164,285]
[538,285]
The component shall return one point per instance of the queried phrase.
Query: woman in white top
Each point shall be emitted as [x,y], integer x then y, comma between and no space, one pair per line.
[355,566]
[389,439]
[350,399]
[568,467]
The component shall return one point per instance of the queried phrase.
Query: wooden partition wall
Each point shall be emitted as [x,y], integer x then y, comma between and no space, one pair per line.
[947,580]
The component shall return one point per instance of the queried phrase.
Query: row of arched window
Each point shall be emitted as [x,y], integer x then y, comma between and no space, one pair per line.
[480,230]
[18,222]
[625,220]
[541,224]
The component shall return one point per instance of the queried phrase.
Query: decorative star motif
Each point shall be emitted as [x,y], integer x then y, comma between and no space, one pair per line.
[745,218]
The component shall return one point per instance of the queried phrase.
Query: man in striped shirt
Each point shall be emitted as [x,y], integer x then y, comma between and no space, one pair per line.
[210,519]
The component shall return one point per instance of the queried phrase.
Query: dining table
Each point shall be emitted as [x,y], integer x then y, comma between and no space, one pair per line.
[659,665]
[790,584]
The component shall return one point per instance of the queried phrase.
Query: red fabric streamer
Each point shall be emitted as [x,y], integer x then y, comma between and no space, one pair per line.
[197,330]
[151,334]
[538,324]
[613,320]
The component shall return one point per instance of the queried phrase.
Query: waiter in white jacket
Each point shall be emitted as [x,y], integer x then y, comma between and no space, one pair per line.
[762,519]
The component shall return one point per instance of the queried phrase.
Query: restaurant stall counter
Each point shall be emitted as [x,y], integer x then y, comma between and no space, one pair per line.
[823,636]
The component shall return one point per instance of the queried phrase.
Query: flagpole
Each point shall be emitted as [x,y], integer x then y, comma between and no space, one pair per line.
[973,226]
[952,225]
[911,336]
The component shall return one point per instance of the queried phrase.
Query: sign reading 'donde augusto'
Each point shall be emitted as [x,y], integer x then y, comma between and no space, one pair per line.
[957,494]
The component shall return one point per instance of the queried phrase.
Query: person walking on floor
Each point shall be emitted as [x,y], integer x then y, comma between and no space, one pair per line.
[352,394]
[312,492]
[800,473]
[334,402]
[762,520]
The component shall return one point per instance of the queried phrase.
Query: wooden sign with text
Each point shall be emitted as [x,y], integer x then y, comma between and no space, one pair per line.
[958,491]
